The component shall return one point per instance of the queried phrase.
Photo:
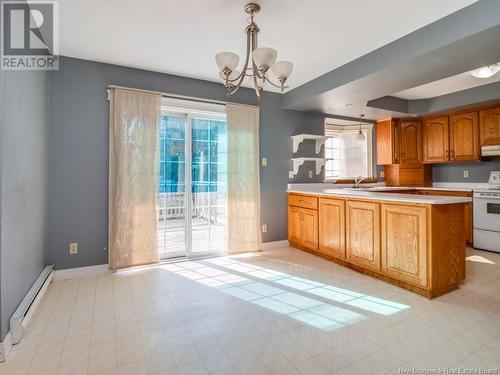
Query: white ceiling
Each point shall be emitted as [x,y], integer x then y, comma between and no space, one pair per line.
[445,86]
[182,37]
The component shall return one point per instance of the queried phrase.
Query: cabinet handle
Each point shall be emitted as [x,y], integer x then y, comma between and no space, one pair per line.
[395,156]
[452,153]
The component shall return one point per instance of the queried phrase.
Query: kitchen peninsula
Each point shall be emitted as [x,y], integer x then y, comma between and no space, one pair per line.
[414,241]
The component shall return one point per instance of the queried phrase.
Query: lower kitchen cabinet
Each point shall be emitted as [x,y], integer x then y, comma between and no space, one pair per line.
[332,227]
[309,229]
[363,234]
[468,208]
[469,223]
[294,224]
[420,247]
[404,247]
[303,227]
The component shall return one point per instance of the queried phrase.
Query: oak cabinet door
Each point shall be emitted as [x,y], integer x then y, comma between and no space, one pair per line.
[435,140]
[410,141]
[363,234]
[387,142]
[309,229]
[332,227]
[404,249]
[294,224]
[464,137]
[489,124]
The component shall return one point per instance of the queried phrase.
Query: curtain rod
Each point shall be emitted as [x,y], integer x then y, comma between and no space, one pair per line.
[175,96]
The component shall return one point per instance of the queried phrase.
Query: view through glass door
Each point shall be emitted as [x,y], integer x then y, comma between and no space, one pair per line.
[193,183]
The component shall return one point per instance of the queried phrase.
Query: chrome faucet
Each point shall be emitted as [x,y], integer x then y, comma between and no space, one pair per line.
[358,180]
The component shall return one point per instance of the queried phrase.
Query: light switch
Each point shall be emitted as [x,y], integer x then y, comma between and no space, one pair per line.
[73,248]
[264,162]
[466,173]
[264,228]
[310,174]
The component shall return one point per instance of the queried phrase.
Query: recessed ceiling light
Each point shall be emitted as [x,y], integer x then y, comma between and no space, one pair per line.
[486,71]
[348,105]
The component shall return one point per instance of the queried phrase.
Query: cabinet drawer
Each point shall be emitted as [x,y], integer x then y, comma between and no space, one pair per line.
[305,201]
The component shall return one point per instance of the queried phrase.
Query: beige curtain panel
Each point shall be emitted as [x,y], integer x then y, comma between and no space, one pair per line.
[243,181]
[133,177]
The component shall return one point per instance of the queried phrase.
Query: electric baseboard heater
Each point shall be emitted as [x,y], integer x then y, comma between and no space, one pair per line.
[22,315]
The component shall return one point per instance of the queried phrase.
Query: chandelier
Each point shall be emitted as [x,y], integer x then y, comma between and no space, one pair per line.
[258,61]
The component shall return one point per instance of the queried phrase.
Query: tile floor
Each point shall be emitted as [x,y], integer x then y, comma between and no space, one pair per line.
[278,312]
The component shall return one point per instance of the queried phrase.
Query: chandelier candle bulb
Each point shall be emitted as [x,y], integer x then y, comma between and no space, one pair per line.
[227,60]
[282,69]
[264,57]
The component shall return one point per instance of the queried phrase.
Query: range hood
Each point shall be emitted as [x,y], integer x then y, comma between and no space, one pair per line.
[490,150]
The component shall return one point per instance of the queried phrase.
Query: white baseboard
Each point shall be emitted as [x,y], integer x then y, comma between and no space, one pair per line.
[38,298]
[275,244]
[21,317]
[78,272]
[5,347]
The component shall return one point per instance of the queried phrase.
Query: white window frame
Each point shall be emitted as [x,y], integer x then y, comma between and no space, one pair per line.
[367,130]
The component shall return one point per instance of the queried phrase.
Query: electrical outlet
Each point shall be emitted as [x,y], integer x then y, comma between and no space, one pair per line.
[264,162]
[466,173]
[310,174]
[264,228]
[381,173]
[290,175]
[73,248]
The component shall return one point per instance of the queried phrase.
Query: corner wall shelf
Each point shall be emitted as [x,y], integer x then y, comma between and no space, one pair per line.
[297,162]
[299,138]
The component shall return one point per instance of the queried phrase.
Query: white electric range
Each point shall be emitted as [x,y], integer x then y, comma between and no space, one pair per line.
[487,215]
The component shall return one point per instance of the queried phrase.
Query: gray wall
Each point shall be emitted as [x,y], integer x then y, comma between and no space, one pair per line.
[78,152]
[23,186]
[478,171]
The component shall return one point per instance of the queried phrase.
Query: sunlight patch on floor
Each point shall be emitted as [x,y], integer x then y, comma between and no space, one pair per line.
[479,259]
[270,289]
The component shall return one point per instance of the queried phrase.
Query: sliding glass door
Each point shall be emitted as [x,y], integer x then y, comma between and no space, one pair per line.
[193,183]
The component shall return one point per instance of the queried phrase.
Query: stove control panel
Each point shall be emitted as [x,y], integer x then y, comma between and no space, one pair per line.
[494,180]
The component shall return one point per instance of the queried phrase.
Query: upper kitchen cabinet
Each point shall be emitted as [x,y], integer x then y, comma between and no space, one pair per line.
[489,127]
[454,138]
[464,137]
[410,142]
[387,142]
[399,149]
[436,144]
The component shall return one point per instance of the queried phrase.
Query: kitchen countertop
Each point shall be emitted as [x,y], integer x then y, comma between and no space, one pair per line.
[388,188]
[377,193]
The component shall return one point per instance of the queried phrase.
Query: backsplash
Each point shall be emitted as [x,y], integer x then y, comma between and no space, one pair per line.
[478,171]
